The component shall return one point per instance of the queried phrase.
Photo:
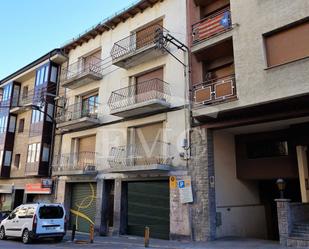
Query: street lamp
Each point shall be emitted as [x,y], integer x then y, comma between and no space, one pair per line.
[281,184]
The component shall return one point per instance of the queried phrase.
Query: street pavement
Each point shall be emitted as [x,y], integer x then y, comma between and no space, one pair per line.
[137,243]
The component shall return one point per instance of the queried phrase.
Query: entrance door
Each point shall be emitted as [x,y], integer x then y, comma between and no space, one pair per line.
[148,205]
[18,197]
[83,206]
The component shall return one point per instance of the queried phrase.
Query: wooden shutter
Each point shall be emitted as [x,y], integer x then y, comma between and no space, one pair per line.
[287,45]
[146,35]
[87,144]
[150,83]
[148,145]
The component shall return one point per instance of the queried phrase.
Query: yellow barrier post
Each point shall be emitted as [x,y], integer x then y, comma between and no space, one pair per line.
[91,233]
[146,237]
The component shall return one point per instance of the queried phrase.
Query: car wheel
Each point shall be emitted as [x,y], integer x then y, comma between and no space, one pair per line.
[2,234]
[26,237]
[58,239]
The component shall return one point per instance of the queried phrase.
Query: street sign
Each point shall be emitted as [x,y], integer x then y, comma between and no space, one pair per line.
[185,190]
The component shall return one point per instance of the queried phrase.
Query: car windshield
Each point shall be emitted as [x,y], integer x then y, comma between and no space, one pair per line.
[51,212]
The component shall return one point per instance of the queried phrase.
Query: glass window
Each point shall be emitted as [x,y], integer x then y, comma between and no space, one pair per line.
[50,112]
[51,212]
[45,155]
[41,75]
[7,158]
[53,76]
[12,124]
[1,156]
[33,152]
[30,212]
[29,153]
[22,212]
[37,152]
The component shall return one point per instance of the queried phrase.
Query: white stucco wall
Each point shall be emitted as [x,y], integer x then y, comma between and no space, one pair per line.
[237,201]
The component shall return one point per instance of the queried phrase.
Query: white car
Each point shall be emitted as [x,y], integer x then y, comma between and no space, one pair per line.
[34,221]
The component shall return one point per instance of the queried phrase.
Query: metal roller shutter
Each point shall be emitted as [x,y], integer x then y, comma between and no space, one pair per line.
[148,205]
[83,206]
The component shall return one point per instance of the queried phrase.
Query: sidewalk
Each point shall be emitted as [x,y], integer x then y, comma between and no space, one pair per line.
[138,242]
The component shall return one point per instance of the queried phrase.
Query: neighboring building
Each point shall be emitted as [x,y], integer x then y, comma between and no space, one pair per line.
[26,117]
[250,87]
[122,123]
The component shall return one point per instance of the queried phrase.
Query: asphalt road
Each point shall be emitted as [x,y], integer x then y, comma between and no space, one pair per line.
[137,243]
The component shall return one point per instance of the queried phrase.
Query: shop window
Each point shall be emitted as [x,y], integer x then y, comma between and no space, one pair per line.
[287,45]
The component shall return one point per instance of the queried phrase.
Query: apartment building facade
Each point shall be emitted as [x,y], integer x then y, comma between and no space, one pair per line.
[27,107]
[123,120]
[249,84]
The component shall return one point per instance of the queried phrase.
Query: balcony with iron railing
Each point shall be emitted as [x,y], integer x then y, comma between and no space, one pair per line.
[139,47]
[141,98]
[215,91]
[75,163]
[25,101]
[78,115]
[82,72]
[212,26]
[147,156]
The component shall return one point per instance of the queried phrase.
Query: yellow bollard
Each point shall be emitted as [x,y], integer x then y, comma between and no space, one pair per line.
[146,236]
[91,233]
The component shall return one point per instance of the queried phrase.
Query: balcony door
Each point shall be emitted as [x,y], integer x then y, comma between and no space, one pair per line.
[146,144]
[149,85]
[86,152]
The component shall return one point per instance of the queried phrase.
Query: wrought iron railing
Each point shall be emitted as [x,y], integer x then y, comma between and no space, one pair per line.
[215,90]
[138,40]
[82,67]
[139,93]
[77,111]
[80,161]
[212,25]
[144,154]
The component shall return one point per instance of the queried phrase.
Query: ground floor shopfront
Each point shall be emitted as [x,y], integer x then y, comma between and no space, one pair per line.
[14,192]
[119,204]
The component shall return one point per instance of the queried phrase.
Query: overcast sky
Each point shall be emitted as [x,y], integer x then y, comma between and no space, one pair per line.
[31,28]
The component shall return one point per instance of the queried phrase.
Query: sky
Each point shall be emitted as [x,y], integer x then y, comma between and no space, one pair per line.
[32,28]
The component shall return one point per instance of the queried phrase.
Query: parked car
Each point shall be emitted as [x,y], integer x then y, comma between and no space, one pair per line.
[4,214]
[35,221]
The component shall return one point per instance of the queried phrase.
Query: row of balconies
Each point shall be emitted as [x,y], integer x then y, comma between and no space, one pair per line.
[146,97]
[142,98]
[150,156]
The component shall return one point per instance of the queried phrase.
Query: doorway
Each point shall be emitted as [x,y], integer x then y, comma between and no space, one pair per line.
[18,197]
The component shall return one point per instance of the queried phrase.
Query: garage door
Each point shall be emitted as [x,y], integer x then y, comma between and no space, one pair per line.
[148,205]
[83,206]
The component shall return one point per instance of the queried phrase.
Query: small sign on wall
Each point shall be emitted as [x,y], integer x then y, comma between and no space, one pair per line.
[185,190]
[173,182]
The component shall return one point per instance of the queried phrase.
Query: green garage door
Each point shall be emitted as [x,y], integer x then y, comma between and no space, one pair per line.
[148,205]
[83,205]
